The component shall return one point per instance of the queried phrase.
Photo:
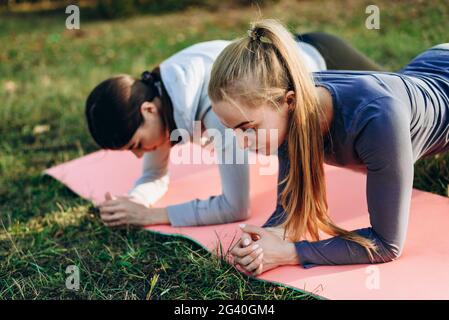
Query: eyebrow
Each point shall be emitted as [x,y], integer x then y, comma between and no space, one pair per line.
[242,123]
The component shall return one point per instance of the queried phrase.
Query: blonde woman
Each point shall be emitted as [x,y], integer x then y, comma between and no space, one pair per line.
[379,123]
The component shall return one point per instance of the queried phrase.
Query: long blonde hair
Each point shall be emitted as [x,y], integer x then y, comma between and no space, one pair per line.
[262,67]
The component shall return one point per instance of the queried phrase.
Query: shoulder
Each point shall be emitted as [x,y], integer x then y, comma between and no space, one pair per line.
[190,66]
[207,50]
[382,129]
[380,113]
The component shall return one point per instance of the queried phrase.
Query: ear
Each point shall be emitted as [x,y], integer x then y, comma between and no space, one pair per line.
[147,108]
[290,99]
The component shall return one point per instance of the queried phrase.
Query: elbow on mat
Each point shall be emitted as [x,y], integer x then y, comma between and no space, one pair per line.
[389,252]
[238,212]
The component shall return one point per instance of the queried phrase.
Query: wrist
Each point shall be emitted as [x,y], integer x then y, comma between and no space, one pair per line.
[158,215]
[290,256]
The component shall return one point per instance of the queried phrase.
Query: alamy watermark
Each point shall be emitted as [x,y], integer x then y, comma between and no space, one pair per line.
[72,282]
[373,19]
[73,20]
[228,147]
[372,281]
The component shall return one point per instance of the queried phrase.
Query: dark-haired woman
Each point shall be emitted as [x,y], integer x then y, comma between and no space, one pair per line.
[124,113]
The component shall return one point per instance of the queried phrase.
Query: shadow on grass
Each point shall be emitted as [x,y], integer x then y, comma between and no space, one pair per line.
[39,194]
[118,264]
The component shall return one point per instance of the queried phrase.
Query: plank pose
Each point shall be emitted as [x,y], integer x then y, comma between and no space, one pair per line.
[123,112]
[376,122]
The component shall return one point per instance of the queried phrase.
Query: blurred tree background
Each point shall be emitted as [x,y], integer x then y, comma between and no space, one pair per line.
[123,8]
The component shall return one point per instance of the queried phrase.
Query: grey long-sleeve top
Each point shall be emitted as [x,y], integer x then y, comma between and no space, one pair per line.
[231,205]
[383,123]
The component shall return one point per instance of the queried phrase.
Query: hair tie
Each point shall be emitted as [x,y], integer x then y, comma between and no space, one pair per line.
[257,34]
[254,34]
[149,79]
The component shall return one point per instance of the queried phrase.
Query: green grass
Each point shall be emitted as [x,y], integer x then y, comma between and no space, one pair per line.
[46,73]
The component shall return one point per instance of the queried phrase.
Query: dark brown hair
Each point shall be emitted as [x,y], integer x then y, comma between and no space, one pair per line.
[113,109]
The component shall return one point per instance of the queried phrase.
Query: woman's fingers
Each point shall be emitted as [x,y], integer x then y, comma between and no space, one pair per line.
[109,196]
[245,239]
[114,220]
[246,260]
[113,217]
[238,251]
[254,265]
[248,228]
[259,268]
[125,197]
[110,209]
[110,203]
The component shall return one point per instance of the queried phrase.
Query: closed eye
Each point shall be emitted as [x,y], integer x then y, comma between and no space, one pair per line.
[134,146]
[249,128]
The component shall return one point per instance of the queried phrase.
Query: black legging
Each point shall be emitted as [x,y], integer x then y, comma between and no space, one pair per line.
[338,54]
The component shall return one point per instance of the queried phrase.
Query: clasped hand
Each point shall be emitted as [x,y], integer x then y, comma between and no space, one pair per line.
[262,249]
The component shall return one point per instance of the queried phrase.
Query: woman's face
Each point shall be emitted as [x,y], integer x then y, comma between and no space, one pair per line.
[151,134]
[261,129]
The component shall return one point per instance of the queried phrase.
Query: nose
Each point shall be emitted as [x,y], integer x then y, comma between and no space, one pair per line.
[138,154]
[245,141]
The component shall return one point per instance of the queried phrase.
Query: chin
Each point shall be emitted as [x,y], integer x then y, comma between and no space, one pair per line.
[265,152]
[273,150]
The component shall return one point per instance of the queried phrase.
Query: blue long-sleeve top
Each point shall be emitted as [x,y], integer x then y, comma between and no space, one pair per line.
[383,123]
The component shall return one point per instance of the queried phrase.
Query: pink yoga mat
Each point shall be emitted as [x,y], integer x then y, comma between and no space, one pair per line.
[422,272]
